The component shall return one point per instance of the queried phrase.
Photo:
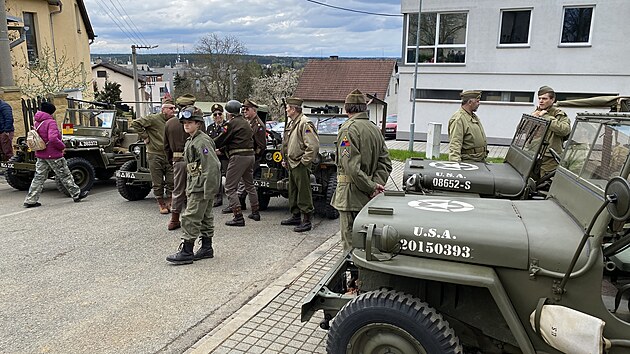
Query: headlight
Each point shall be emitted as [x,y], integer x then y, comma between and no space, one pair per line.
[137,150]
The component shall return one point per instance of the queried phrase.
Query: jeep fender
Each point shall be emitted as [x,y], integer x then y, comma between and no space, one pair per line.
[455,273]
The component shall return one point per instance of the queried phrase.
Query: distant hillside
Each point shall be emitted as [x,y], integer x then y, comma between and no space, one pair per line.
[169,59]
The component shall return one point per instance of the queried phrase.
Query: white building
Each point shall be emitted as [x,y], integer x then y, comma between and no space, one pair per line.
[508,49]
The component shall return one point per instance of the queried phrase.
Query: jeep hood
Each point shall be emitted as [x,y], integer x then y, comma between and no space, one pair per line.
[493,232]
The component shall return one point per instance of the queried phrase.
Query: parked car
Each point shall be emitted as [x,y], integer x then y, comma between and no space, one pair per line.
[391,126]
[279,128]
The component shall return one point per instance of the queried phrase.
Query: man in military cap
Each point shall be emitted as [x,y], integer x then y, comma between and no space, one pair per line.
[214,129]
[203,174]
[559,128]
[151,130]
[363,164]
[185,100]
[250,113]
[466,137]
[236,138]
[300,148]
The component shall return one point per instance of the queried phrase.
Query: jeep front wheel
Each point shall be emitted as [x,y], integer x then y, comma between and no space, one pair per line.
[329,211]
[387,321]
[20,180]
[82,173]
[263,200]
[126,187]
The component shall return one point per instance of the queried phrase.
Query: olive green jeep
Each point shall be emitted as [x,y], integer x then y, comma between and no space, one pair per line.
[455,273]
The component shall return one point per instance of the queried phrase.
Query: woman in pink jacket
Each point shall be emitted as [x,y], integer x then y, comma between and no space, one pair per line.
[51,158]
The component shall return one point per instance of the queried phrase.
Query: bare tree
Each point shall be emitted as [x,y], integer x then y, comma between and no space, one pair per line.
[51,73]
[272,88]
[222,62]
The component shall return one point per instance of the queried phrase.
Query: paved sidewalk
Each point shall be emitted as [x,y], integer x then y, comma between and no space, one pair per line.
[270,322]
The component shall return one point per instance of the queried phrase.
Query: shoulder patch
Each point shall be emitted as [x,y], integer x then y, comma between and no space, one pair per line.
[345,142]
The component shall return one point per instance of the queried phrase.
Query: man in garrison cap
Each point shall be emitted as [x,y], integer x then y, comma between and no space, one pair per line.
[259,142]
[559,129]
[151,130]
[466,137]
[363,164]
[185,100]
[214,130]
[299,148]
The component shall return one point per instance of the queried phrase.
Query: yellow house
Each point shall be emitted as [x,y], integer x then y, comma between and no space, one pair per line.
[52,31]
[50,53]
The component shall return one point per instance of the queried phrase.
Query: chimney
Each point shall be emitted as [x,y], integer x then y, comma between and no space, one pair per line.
[334,57]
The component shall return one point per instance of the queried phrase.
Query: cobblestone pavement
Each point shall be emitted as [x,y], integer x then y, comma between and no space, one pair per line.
[270,323]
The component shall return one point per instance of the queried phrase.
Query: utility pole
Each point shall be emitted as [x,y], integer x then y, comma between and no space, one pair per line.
[6,71]
[135,75]
[412,125]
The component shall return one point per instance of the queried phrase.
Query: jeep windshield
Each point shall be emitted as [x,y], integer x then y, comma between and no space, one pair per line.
[328,125]
[88,118]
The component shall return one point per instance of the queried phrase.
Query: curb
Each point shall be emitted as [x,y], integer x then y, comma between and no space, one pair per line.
[223,331]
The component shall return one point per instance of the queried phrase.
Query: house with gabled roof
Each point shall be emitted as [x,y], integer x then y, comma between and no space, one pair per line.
[328,82]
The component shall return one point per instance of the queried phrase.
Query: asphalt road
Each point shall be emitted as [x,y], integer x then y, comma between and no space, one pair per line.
[92,276]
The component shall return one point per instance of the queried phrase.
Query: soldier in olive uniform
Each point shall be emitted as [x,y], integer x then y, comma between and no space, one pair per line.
[236,138]
[213,131]
[467,139]
[250,113]
[174,141]
[151,129]
[559,128]
[203,168]
[363,164]
[300,148]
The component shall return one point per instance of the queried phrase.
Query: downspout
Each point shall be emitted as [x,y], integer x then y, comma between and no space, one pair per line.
[52,33]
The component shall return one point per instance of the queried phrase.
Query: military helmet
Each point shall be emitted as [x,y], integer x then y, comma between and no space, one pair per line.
[191,113]
[233,107]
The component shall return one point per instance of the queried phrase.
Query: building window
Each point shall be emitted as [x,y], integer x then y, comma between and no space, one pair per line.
[77,17]
[514,27]
[576,25]
[101,73]
[31,37]
[442,37]
[487,96]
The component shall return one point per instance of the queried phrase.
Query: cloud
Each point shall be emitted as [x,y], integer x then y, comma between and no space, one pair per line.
[268,27]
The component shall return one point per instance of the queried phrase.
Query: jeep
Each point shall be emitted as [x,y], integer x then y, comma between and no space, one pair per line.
[456,273]
[96,146]
[272,179]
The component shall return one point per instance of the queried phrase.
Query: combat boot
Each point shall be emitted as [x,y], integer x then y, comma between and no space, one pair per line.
[218,201]
[205,251]
[185,254]
[306,223]
[174,223]
[293,220]
[255,215]
[238,218]
[242,199]
[226,210]
[162,205]
[169,203]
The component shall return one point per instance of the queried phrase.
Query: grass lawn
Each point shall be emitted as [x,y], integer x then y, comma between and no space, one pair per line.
[402,155]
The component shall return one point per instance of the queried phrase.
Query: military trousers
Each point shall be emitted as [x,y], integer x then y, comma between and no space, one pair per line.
[240,166]
[548,164]
[221,189]
[179,186]
[300,194]
[62,172]
[161,175]
[197,219]
[346,221]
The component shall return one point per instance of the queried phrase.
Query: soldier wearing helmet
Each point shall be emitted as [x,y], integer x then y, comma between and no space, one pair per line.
[202,181]
[237,137]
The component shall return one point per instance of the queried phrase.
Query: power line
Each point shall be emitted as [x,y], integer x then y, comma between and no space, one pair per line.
[132,23]
[106,9]
[353,10]
[125,23]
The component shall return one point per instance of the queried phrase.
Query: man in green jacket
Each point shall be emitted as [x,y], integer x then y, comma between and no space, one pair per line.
[466,137]
[300,147]
[151,130]
[559,128]
[202,181]
[363,164]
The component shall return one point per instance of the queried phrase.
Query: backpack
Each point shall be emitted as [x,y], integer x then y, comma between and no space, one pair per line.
[34,140]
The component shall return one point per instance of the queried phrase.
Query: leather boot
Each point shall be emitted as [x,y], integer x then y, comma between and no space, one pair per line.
[162,205]
[226,210]
[293,220]
[218,201]
[306,223]
[169,203]
[238,218]
[255,215]
[185,254]
[242,198]
[174,223]
[205,251]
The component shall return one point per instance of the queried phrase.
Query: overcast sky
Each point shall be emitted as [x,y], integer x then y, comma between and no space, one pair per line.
[267,27]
